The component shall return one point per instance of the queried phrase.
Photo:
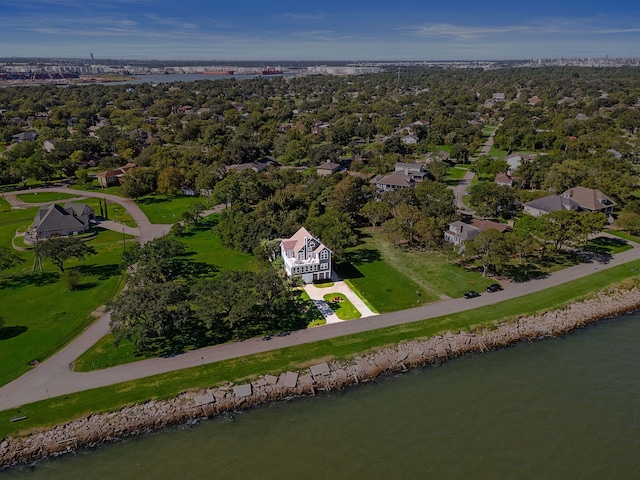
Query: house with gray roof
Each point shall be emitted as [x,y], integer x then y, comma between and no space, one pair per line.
[29,136]
[548,204]
[53,220]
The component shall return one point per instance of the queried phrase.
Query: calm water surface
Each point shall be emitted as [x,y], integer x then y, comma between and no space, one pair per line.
[557,409]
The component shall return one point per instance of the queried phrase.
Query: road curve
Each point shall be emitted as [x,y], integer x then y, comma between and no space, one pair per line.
[54,377]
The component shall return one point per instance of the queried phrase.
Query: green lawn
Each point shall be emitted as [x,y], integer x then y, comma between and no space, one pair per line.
[63,409]
[342,306]
[394,279]
[44,197]
[41,315]
[164,209]
[624,235]
[456,173]
[105,354]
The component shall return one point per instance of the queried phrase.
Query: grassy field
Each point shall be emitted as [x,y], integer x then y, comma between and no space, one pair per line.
[414,278]
[341,306]
[43,197]
[41,315]
[58,410]
[163,209]
[455,174]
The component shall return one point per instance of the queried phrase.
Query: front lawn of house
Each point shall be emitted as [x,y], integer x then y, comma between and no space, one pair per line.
[41,315]
[341,306]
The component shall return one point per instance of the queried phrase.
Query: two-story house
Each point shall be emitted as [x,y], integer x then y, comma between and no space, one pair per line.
[305,256]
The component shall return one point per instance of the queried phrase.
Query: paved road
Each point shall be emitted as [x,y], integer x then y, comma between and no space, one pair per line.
[54,377]
[147,230]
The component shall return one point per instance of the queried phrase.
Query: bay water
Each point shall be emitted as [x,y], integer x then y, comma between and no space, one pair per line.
[565,408]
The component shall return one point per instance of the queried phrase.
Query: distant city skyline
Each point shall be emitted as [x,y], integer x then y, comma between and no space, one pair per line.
[330,30]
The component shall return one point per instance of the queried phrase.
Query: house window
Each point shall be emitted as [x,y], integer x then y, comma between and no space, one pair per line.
[324,255]
[324,266]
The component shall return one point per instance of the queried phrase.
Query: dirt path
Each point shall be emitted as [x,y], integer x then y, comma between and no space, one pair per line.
[54,377]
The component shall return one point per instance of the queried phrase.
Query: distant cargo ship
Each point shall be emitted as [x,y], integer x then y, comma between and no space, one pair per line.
[217,72]
[271,71]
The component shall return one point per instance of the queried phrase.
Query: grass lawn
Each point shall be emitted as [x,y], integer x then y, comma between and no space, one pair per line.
[41,315]
[44,197]
[57,410]
[342,306]
[164,209]
[608,245]
[394,279]
[624,235]
[495,152]
[105,354]
[456,173]
[324,284]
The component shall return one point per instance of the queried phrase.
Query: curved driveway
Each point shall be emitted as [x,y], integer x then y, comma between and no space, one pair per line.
[54,376]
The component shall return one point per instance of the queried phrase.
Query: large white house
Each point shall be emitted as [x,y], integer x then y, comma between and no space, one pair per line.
[305,256]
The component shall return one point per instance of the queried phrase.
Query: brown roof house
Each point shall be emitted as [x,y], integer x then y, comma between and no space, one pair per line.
[52,220]
[590,200]
[392,181]
[114,177]
[306,256]
[328,168]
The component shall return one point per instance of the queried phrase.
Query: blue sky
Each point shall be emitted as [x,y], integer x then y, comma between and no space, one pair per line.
[319,30]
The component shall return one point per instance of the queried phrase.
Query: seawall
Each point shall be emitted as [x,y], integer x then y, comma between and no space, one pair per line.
[193,406]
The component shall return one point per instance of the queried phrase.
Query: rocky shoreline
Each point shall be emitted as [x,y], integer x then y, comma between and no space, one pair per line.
[193,406]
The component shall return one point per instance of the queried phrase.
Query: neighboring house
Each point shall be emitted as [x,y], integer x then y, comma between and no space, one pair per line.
[49,145]
[25,136]
[516,159]
[504,179]
[413,170]
[460,232]
[306,256]
[590,200]
[328,168]
[410,139]
[52,220]
[259,166]
[392,181]
[548,204]
[114,177]
[499,97]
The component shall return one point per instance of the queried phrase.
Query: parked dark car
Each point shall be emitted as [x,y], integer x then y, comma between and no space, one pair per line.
[495,287]
[471,294]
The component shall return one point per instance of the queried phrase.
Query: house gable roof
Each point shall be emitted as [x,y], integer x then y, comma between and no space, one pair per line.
[552,203]
[589,198]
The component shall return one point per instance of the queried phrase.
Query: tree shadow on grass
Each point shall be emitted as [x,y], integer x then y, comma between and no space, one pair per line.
[13,331]
[154,200]
[523,273]
[103,272]
[36,279]
[362,255]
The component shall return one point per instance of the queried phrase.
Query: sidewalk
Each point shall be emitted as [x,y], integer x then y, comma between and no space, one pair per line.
[339,286]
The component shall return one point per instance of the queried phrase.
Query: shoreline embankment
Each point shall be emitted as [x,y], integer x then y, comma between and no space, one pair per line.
[97,429]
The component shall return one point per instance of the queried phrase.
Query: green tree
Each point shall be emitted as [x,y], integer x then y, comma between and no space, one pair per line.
[61,249]
[376,211]
[170,181]
[152,315]
[139,182]
[491,248]
[9,258]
